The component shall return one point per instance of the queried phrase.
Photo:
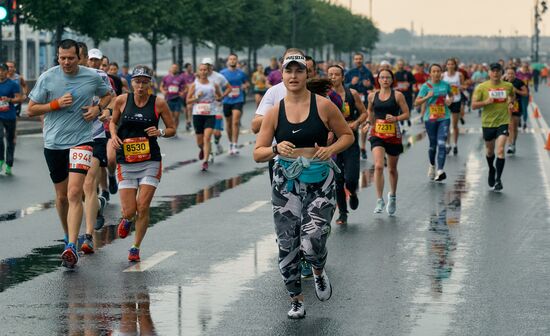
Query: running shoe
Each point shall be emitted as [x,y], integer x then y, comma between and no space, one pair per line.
[392,204]
[353,201]
[100,220]
[498,186]
[447,149]
[124,227]
[524,126]
[440,176]
[69,257]
[431,172]
[323,288]
[380,204]
[204,166]
[201,154]
[297,310]
[306,271]
[462,121]
[88,245]
[342,220]
[236,149]
[491,178]
[188,127]
[133,254]
[113,185]
[106,195]
[511,149]
[8,170]
[219,149]
[455,150]
[363,154]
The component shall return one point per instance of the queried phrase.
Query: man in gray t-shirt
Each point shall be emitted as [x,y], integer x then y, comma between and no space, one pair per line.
[64,94]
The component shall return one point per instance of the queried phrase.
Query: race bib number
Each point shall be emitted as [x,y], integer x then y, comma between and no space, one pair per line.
[203,108]
[384,129]
[173,89]
[136,149]
[437,111]
[346,110]
[80,157]
[4,105]
[402,86]
[455,90]
[498,95]
[235,91]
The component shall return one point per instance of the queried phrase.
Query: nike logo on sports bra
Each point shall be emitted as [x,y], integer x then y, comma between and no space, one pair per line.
[296,131]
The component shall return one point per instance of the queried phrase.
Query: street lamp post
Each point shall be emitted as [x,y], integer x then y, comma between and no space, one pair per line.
[538,18]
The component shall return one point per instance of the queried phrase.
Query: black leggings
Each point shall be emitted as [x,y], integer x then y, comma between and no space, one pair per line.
[9,126]
[348,161]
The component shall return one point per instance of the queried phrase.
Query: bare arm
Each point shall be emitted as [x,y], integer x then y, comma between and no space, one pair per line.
[256,123]
[120,102]
[166,116]
[263,151]
[362,110]
[403,106]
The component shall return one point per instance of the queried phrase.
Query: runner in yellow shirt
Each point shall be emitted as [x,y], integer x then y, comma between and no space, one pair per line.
[496,99]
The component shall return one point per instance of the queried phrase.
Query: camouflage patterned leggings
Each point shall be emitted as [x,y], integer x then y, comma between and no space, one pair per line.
[302,223]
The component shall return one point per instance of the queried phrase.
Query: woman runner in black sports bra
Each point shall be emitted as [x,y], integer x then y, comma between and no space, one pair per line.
[303,182]
[386,108]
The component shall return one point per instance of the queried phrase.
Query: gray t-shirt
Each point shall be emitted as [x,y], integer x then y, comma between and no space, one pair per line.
[66,127]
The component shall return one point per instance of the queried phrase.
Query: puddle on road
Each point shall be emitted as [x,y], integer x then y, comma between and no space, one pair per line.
[46,259]
[15,214]
[192,309]
[446,253]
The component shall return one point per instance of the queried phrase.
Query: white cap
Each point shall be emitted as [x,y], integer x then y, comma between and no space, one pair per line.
[385,63]
[301,60]
[95,53]
[207,60]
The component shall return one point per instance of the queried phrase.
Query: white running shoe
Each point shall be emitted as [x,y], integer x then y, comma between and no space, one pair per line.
[219,149]
[380,204]
[431,172]
[392,204]
[440,176]
[297,310]
[323,288]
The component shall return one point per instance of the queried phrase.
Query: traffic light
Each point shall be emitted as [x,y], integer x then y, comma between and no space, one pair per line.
[4,11]
[7,10]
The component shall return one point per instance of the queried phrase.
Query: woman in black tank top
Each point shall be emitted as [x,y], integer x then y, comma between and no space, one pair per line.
[303,180]
[386,108]
[139,160]
[348,161]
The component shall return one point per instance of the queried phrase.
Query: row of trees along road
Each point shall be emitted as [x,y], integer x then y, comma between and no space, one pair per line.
[236,24]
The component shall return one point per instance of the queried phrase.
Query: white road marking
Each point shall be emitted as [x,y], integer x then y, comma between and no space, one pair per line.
[150,262]
[254,206]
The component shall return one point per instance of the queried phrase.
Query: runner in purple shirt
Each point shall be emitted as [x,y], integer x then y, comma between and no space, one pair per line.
[189,78]
[174,87]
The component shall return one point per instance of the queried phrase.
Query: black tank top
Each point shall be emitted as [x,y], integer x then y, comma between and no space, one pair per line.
[133,124]
[389,106]
[353,111]
[305,134]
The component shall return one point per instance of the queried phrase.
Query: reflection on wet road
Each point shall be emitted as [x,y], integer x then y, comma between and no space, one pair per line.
[46,259]
[446,252]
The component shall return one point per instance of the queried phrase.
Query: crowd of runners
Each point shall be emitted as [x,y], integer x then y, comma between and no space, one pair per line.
[312,120]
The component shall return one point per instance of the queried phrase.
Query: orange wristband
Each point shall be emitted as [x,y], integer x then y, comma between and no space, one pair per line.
[54,105]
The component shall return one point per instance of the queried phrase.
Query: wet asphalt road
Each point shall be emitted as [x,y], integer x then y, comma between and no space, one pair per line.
[457,259]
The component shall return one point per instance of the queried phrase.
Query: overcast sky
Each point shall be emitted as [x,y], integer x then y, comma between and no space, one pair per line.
[452,17]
